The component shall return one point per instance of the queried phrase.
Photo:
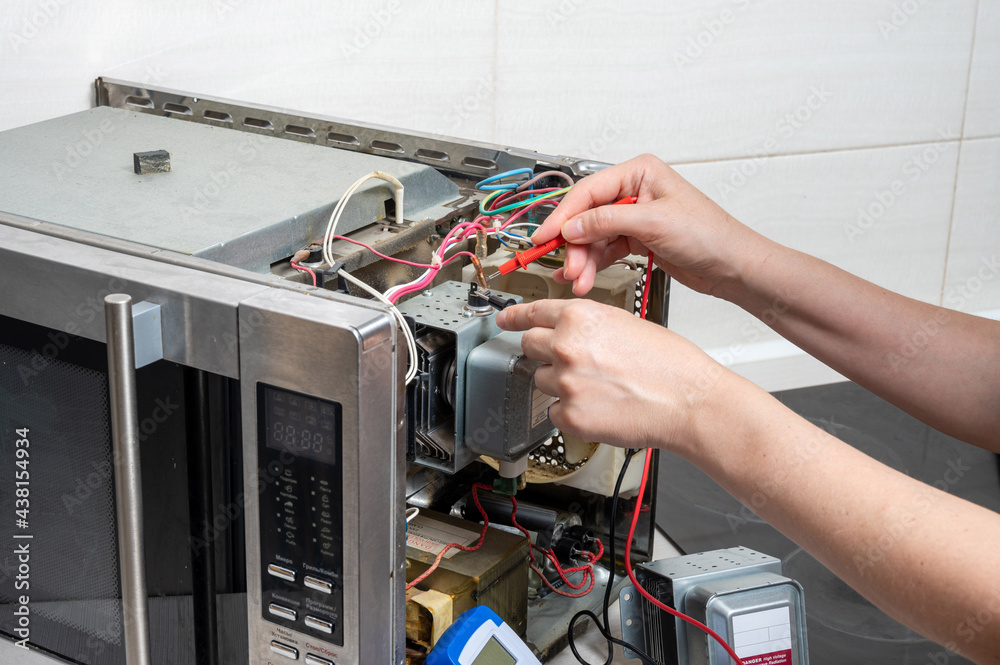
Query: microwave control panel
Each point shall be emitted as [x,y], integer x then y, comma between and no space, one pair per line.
[300,446]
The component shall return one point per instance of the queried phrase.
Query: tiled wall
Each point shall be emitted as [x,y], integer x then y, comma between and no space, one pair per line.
[795,116]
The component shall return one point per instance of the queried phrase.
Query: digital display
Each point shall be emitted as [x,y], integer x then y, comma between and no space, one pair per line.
[302,425]
[494,654]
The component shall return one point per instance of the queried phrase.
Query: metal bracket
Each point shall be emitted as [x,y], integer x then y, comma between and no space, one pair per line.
[470,158]
[630,605]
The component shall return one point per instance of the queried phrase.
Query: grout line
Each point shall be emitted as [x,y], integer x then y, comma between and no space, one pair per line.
[496,64]
[958,158]
[804,153]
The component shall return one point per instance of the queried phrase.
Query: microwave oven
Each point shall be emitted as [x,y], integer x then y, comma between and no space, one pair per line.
[207,454]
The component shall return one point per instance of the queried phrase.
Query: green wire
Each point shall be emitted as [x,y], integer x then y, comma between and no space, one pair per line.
[513,206]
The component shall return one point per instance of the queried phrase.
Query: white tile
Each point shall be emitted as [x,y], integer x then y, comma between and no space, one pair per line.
[418,65]
[813,203]
[610,80]
[972,281]
[982,117]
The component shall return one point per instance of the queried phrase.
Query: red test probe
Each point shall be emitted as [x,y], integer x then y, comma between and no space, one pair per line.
[522,259]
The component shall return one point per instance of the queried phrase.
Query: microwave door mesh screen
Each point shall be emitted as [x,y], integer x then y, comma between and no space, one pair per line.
[73,564]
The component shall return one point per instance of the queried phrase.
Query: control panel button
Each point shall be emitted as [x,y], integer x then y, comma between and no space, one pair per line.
[318,584]
[319,624]
[312,659]
[284,650]
[282,612]
[281,572]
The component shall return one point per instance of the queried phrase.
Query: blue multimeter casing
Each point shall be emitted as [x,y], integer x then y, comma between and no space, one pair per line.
[480,637]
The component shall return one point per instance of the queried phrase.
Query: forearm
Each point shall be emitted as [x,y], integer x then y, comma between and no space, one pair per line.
[939,365]
[923,556]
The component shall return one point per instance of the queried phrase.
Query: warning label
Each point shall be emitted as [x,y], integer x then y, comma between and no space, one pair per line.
[429,535]
[776,658]
[540,403]
[764,638]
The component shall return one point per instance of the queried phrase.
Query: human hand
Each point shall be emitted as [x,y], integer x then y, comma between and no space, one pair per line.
[692,238]
[619,379]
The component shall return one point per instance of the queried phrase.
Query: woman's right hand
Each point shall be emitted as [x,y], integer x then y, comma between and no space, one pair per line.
[693,239]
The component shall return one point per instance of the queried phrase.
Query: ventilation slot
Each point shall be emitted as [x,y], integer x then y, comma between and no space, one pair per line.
[176,108]
[344,139]
[387,146]
[217,115]
[300,131]
[141,102]
[258,123]
[479,163]
[436,155]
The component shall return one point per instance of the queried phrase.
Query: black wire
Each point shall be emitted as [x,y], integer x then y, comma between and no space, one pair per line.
[605,630]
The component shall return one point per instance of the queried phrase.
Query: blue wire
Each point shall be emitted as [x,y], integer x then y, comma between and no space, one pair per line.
[487,187]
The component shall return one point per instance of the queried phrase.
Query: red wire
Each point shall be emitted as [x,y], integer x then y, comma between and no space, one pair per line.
[392,258]
[645,287]
[303,269]
[588,569]
[635,521]
[465,548]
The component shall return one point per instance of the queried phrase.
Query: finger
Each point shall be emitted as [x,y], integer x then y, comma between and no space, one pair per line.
[585,282]
[556,416]
[544,313]
[605,186]
[609,222]
[537,344]
[619,249]
[576,261]
[577,257]
[546,381]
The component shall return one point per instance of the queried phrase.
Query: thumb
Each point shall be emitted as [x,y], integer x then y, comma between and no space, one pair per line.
[607,223]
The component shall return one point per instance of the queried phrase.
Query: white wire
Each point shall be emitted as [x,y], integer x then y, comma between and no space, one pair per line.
[520,225]
[391,292]
[411,344]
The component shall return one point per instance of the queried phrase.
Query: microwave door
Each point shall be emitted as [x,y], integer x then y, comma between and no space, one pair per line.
[56,405]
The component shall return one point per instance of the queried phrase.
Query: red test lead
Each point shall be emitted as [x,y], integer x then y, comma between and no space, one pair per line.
[522,259]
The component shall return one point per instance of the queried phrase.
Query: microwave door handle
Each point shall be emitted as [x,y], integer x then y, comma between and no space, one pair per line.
[128,480]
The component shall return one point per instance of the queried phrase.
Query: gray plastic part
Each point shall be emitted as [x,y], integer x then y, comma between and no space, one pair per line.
[148,333]
[506,416]
[245,200]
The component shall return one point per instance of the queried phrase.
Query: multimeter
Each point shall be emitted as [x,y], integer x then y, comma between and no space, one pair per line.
[480,637]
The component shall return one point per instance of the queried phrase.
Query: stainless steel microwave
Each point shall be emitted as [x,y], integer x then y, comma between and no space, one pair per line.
[205,452]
